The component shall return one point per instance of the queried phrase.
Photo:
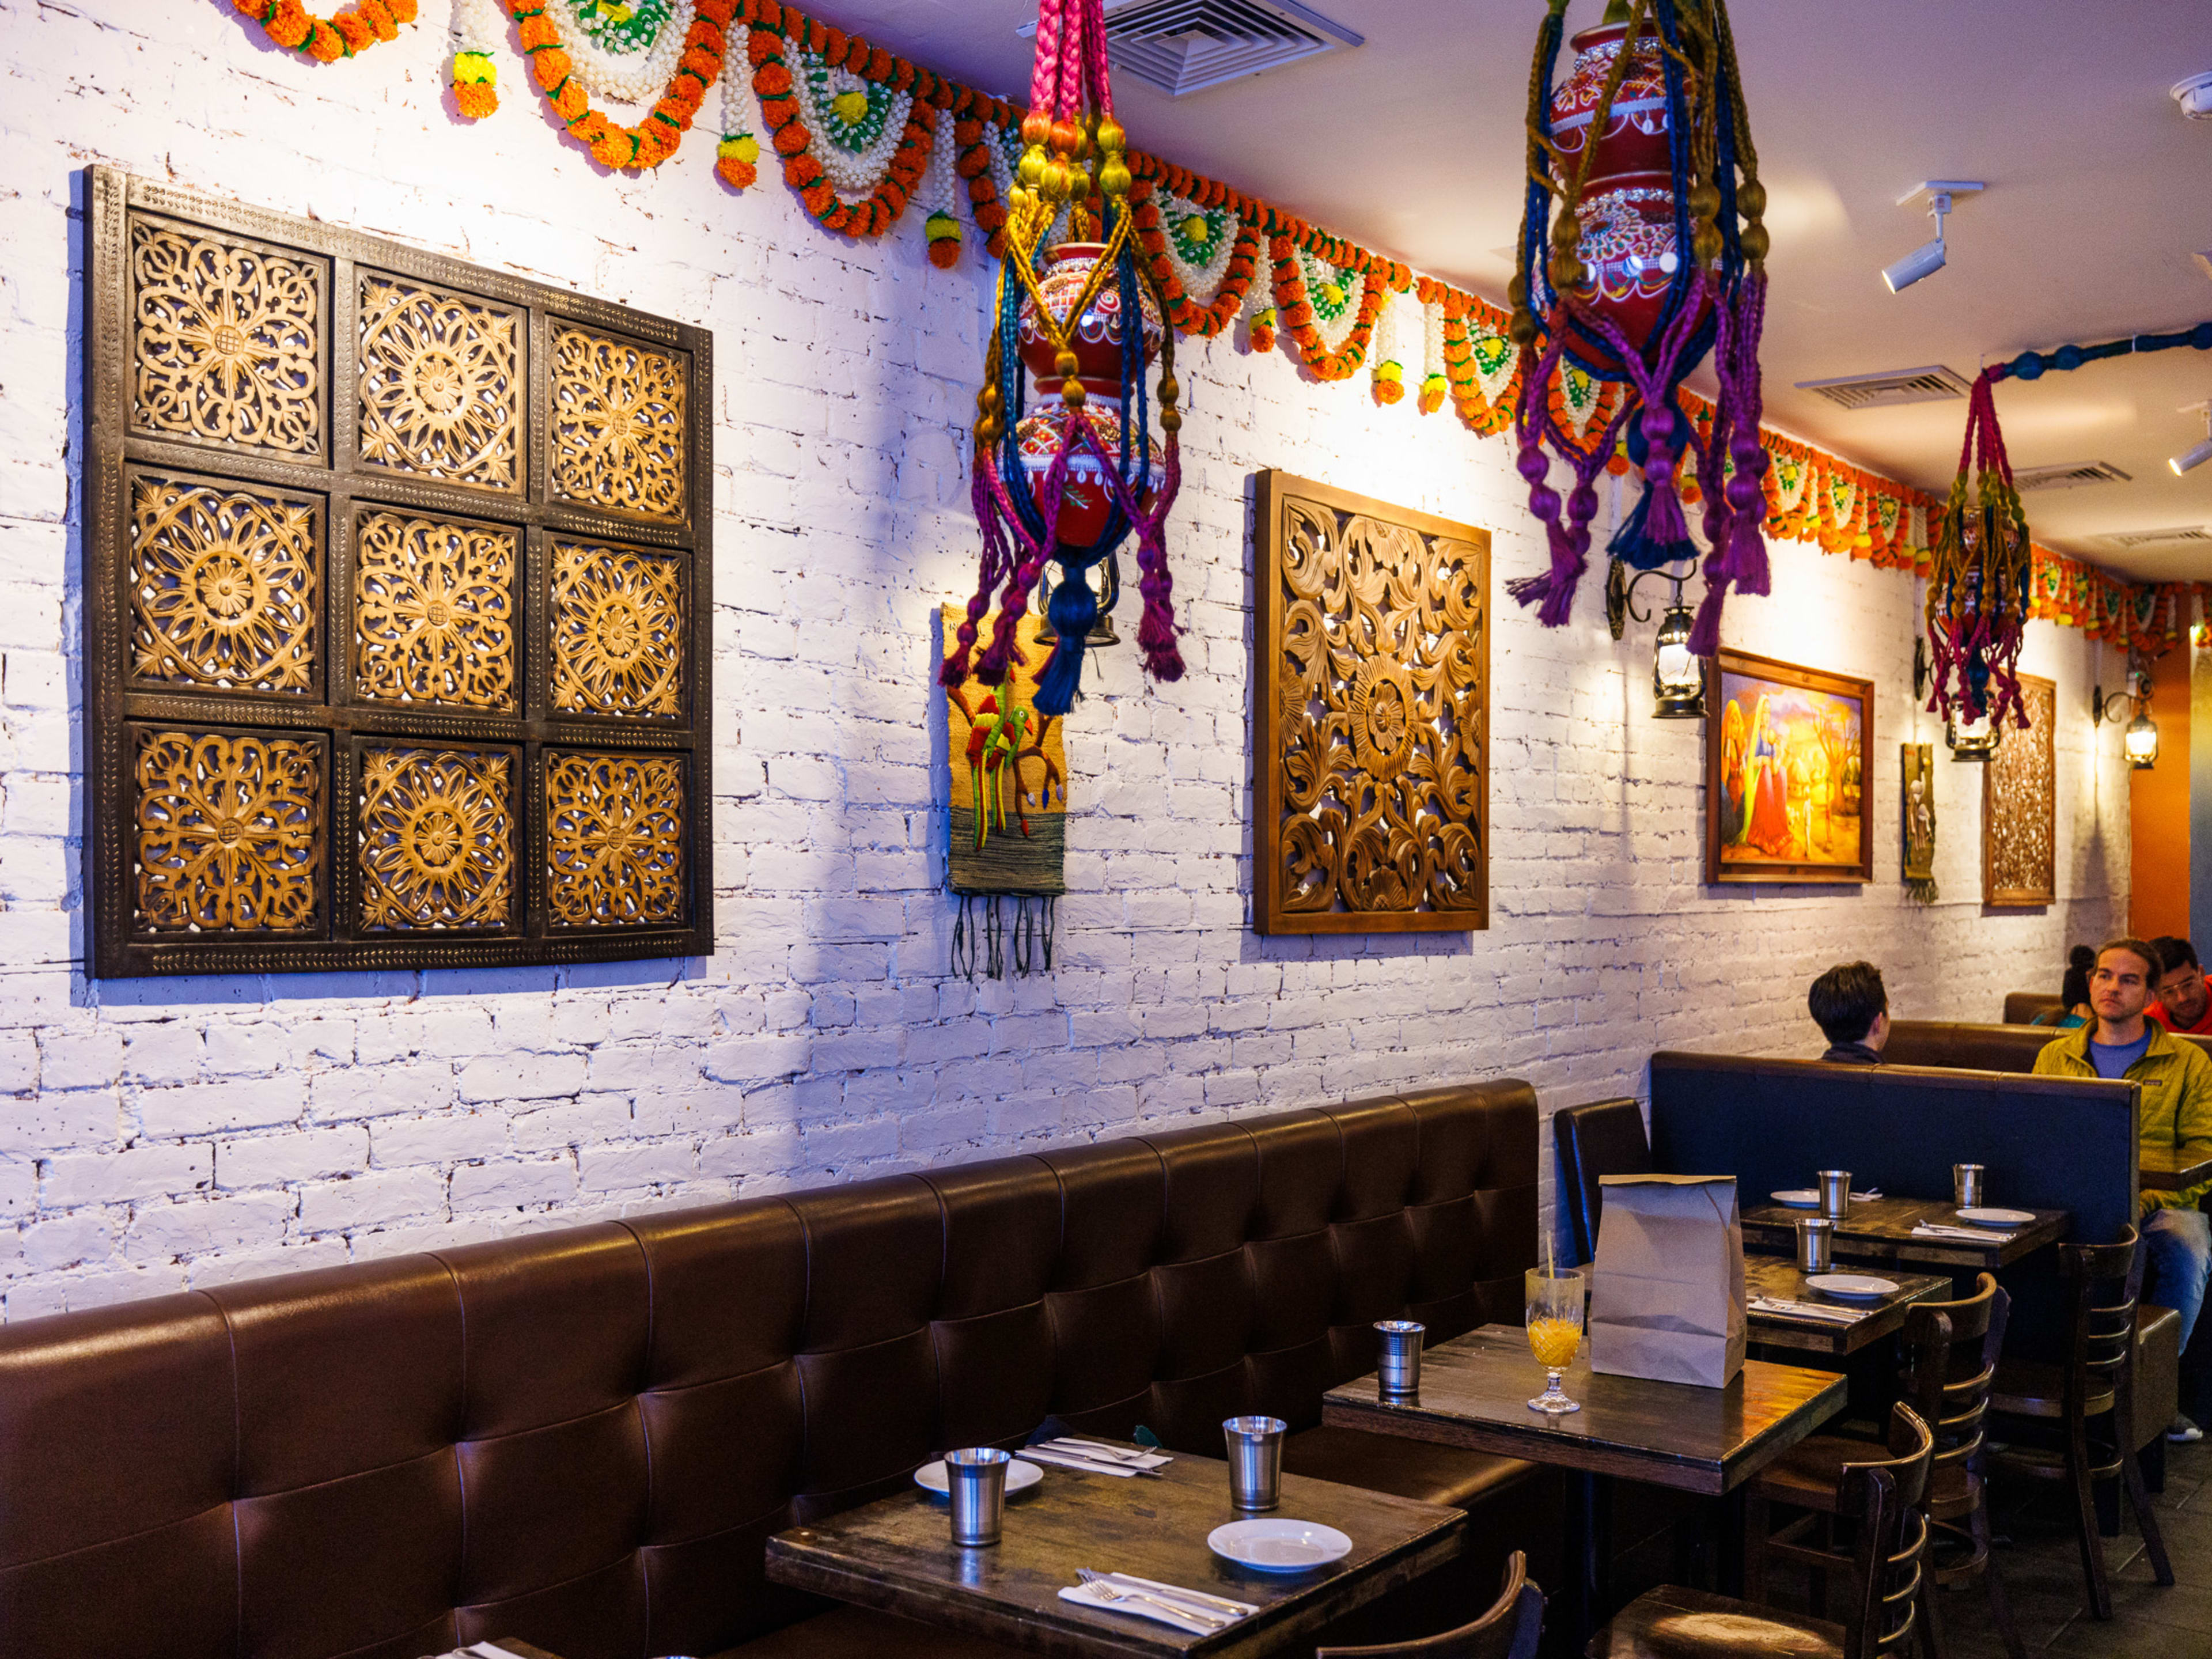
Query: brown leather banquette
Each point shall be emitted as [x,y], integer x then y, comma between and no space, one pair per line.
[1954,1045]
[582,1438]
[2033,1007]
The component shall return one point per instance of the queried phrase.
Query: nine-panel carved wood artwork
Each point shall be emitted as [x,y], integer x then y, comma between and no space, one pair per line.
[398,599]
[1371,713]
[2019,806]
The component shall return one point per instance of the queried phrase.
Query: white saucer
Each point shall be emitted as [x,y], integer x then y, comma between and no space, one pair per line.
[1996,1218]
[1279,1545]
[1020,1477]
[1853,1287]
[1803,1198]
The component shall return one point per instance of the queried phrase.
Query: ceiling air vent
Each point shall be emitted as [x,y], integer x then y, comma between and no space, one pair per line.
[1187,46]
[2068,475]
[2154,538]
[1903,386]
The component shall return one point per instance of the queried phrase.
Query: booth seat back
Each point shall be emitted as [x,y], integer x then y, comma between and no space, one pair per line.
[1956,1046]
[582,1438]
[2027,1007]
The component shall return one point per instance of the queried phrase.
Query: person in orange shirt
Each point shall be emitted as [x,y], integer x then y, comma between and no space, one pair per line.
[2184,997]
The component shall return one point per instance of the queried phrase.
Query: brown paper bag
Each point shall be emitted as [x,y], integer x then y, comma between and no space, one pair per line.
[1666,1290]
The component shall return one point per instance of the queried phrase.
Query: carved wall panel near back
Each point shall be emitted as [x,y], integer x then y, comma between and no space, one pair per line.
[398,603]
[2019,806]
[1370,716]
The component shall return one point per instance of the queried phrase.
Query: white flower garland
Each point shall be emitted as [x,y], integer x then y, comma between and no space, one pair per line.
[1436,385]
[479,25]
[941,194]
[1201,283]
[1486,342]
[631,77]
[1333,333]
[1382,343]
[852,174]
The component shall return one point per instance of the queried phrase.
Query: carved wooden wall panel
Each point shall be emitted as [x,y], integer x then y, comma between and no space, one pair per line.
[2019,807]
[398,603]
[1370,714]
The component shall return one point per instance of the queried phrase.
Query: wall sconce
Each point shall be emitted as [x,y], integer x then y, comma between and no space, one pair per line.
[1974,739]
[1678,679]
[2140,740]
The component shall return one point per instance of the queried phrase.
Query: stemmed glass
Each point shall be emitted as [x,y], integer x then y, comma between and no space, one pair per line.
[1555,1331]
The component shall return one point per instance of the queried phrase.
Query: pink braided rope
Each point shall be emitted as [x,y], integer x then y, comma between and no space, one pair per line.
[1045,67]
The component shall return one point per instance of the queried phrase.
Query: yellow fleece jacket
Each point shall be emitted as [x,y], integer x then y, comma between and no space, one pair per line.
[2175,1111]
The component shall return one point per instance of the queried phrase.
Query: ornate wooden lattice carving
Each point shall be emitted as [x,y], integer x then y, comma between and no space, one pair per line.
[225,586]
[440,384]
[434,611]
[617,631]
[227,342]
[619,433]
[437,838]
[228,833]
[1371,695]
[2019,807]
[399,583]
[614,839]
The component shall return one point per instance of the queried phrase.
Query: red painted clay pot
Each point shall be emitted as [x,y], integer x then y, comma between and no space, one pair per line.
[1635,136]
[1096,336]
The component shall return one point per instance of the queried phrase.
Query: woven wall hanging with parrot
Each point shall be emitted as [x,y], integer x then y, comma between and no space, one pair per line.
[1009,816]
[1643,152]
[1066,479]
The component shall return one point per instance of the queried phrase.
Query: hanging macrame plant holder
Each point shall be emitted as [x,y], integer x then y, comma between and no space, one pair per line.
[1642,250]
[1067,478]
[1979,586]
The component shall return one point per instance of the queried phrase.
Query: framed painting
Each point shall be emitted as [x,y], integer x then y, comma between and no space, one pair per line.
[2019,807]
[1371,698]
[1789,789]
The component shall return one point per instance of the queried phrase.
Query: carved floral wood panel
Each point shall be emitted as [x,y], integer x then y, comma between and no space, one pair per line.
[397,582]
[440,384]
[2019,806]
[227,345]
[434,611]
[614,839]
[619,431]
[225,586]
[617,631]
[1372,712]
[436,839]
[228,833]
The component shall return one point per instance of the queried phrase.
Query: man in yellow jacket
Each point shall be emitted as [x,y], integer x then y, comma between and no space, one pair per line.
[2175,1119]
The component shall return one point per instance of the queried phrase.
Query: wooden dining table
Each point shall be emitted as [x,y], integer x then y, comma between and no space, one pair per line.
[1474,1393]
[1881,1230]
[1874,1318]
[2165,1171]
[896,1555]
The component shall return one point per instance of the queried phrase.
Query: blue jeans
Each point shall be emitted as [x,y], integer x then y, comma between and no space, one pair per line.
[2177,1245]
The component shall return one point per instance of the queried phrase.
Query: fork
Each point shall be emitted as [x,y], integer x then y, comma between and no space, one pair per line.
[1107,1591]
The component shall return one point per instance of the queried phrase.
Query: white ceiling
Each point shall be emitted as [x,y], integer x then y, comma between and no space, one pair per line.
[2100,192]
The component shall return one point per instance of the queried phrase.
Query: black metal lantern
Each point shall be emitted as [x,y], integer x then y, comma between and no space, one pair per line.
[2140,740]
[1973,738]
[1678,678]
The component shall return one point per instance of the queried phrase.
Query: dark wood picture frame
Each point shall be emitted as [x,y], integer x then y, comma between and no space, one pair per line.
[1414,680]
[323,716]
[1779,870]
[2019,807]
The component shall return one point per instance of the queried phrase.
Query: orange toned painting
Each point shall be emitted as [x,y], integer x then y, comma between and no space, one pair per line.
[1787,773]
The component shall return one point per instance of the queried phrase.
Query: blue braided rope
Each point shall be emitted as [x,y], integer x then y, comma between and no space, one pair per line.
[2034,365]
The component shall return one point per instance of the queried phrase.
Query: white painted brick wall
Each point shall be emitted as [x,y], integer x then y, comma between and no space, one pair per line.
[156,1135]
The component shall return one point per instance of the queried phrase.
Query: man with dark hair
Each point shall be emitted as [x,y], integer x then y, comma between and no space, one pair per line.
[2175,1120]
[2184,999]
[1852,1010]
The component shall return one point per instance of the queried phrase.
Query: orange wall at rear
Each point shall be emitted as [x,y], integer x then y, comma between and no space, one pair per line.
[2158,807]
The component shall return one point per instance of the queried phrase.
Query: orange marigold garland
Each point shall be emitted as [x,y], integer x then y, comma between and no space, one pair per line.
[612,144]
[347,34]
[1207,206]
[780,104]
[1297,311]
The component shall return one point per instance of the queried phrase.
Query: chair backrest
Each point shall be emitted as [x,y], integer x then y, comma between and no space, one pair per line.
[1606,1137]
[1954,1347]
[1510,1630]
[1884,1498]
[2102,1282]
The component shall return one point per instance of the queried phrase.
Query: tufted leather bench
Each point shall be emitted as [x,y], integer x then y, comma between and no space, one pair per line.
[582,1438]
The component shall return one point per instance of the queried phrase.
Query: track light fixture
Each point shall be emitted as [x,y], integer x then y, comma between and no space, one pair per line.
[2190,458]
[1928,258]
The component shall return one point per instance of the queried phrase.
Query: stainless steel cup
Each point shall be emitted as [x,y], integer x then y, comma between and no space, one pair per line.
[977,1479]
[1967,1186]
[1256,1461]
[1399,1375]
[1816,1243]
[1835,1194]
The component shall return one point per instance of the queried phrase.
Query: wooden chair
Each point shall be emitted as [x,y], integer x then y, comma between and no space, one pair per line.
[1510,1630]
[1606,1137]
[2092,1385]
[1954,1348]
[1883,1499]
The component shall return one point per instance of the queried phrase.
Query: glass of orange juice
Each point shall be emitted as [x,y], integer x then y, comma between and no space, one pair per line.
[1555,1332]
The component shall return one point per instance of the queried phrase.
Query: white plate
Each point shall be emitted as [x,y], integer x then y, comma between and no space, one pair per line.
[1996,1218]
[1853,1287]
[1020,1476]
[1803,1198]
[1279,1545]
